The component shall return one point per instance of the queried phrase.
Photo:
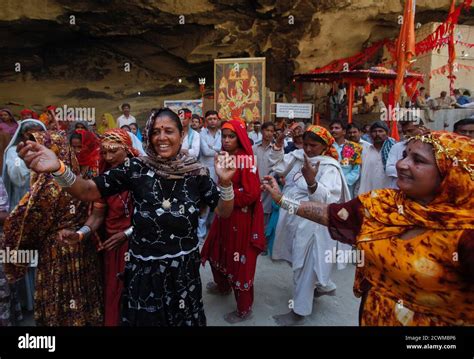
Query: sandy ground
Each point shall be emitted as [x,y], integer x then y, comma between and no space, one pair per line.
[273,290]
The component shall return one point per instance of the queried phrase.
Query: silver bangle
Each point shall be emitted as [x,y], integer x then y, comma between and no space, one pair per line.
[290,204]
[85,230]
[67,179]
[128,232]
[226,193]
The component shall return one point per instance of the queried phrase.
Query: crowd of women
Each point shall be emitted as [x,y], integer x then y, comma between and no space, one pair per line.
[122,226]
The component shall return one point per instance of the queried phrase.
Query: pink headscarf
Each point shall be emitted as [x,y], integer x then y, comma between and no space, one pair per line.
[9,128]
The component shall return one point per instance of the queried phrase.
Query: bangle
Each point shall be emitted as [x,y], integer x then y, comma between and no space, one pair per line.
[65,179]
[313,185]
[226,193]
[84,232]
[279,201]
[290,205]
[128,232]
[61,170]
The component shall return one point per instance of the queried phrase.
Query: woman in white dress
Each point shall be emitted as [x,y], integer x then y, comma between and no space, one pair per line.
[311,174]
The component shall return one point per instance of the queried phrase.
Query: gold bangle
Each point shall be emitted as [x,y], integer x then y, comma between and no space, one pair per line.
[81,236]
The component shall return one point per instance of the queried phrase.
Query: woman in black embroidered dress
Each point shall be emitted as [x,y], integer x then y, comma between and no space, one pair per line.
[162,282]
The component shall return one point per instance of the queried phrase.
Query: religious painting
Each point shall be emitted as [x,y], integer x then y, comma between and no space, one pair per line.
[195,106]
[239,88]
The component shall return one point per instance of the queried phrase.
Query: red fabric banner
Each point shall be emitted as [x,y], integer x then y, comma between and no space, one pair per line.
[350,63]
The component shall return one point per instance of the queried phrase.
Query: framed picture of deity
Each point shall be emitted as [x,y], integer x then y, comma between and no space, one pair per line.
[239,88]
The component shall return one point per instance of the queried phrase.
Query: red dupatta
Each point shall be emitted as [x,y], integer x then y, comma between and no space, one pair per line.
[90,152]
[257,227]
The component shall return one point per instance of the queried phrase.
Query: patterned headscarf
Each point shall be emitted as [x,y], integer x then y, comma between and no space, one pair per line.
[392,212]
[324,134]
[120,138]
[174,168]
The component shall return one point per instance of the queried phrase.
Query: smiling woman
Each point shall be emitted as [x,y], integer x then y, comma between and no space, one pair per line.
[417,241]
[162,285]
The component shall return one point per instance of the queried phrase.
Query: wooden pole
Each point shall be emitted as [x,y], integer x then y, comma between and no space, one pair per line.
[350,101]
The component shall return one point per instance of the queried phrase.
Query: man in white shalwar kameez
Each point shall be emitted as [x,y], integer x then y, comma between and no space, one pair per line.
[303,243]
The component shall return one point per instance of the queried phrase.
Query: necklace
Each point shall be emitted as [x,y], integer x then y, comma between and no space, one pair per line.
[125,204]
[166,203]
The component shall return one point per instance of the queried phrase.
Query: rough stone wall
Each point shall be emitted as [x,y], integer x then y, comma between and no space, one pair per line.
[75,52]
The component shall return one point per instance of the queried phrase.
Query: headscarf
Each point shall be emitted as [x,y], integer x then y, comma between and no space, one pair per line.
[136,143]
[379,124]
[327,138]
[9,128]
[139,132]
[174,168]
[453,207]
[120,138]
[237,126]
[117,138]
[90,152]
[29,113]
[4,141]
[13,142]
[73,126]
[111,123]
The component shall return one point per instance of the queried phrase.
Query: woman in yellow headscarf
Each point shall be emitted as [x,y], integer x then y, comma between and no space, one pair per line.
[106,123]
[417,241]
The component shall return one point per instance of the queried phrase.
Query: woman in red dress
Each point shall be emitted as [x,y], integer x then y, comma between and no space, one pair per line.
[234,243]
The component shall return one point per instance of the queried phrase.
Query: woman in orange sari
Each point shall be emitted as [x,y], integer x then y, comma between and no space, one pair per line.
[417,241]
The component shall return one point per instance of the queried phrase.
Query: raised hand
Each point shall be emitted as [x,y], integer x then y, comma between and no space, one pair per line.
[309,171]
[225,167]
[37,157]
[270,185]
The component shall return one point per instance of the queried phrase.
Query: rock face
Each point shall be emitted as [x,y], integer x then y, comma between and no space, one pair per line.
[104,52]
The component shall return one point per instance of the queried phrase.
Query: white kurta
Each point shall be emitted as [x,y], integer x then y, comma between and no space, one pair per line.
[209,146]
[373,173]
[192,145]
[395,155]
[296,236]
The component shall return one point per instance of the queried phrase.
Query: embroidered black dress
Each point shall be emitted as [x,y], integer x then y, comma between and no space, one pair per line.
[162,281]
